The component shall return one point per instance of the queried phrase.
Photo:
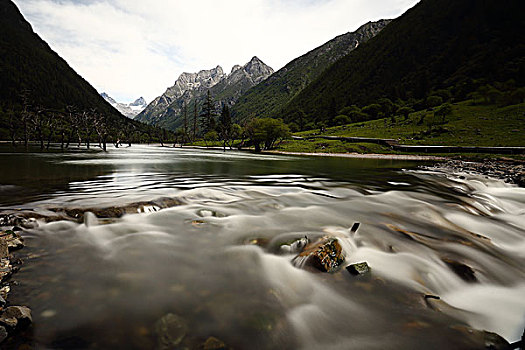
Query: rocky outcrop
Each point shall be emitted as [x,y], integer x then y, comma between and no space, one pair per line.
[12,318]
[166,110]
[28,218]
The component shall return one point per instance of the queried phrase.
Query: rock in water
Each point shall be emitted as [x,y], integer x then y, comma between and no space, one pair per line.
[326,255]
[213,343]
[4,249]
[465,272]
[358,269]
[5,269]
[296,246]
[170,331]
[16,316]
[13,240]
[90,219]
[3,334]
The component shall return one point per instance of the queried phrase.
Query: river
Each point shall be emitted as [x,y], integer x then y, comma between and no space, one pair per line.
[214,265]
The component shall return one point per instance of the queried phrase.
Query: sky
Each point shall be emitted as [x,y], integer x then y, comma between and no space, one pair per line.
[133,48]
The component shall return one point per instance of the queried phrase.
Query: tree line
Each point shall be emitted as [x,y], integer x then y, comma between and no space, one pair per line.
[212,126]
[73,126]
[439,101]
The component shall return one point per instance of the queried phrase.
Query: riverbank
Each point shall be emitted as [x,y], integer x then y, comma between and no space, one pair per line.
[510,171]
[362,155]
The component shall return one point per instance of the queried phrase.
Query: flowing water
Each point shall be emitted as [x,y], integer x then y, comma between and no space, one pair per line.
[215,264]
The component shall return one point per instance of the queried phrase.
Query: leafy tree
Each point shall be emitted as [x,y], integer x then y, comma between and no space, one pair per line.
[405,111]
[210,136]
[387,106]
[372,110]
[518,95]
[349,110]
[265,132]
[434,101]
[494,95]
[294,127]
[358,116]
[443,111]
[342,119]
[443,93]
[237,131]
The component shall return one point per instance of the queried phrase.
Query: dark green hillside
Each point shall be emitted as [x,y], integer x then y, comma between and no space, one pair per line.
[270,96]
[29,66]
[457,45]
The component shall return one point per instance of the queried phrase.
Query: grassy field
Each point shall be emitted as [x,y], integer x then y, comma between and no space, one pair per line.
[469,125]
[331,146]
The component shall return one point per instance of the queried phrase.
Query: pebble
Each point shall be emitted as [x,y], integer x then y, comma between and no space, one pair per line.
[48,313]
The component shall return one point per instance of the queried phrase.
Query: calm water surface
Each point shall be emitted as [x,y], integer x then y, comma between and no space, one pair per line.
[106,284]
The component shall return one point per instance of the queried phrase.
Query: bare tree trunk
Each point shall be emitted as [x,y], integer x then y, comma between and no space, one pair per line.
[41,137]
[13,138]
[26,137]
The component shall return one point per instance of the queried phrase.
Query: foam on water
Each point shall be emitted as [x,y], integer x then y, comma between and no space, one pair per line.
[195,259]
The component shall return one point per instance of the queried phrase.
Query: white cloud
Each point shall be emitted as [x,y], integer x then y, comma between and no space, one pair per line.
[130,48]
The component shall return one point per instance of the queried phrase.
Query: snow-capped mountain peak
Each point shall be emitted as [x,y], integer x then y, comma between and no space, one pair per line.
[130,110]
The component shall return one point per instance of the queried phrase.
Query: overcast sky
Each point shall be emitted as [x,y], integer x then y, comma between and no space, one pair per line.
[132,48]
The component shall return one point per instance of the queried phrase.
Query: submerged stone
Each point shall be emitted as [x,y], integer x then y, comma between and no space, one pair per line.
[117,211]
[295,246]
[3,333]
[170,331]
[213,343]
[465,272]
[261,242]
[4,291]
[358,268]
[12,240]
[16,316]
[5,269]
[4,249]
[326,255]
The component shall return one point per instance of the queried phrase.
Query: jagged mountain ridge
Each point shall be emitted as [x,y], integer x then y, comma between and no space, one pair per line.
[166,110]
[268,98]
[130,110]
